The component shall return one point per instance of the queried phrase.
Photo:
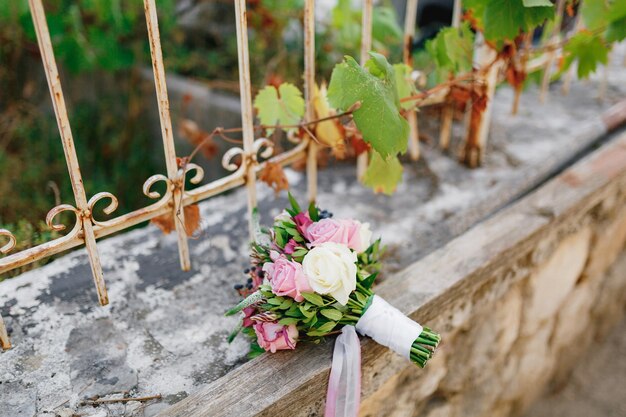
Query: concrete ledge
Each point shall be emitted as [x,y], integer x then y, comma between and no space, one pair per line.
[540,246]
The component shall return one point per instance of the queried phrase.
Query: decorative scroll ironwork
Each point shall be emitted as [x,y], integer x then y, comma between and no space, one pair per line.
[10,245]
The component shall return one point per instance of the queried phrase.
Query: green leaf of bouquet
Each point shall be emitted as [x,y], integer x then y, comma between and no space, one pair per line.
[300,253]
[292,231]
[369,281]
[280,239]
[378,119]
[282,106]
[287,302]
[589,50]
[288,320]
[313,298]
[294,204]
[327,327]
[313,212]
[332,314]
[306,313]
[253,298]
[383,175]
[276,301]
[235,331]
[315,333]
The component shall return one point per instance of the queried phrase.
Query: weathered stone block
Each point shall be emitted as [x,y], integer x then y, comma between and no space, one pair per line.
[552,281]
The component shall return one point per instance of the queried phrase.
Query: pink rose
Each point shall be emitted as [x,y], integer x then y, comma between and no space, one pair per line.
[287,278]
[247,313]
[303,221]
[346,232]
[290,247]
[272,336]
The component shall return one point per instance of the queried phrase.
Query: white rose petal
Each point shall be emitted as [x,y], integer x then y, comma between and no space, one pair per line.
[331,269]
[365,235]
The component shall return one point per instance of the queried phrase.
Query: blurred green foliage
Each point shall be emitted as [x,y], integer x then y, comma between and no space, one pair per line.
[100,47]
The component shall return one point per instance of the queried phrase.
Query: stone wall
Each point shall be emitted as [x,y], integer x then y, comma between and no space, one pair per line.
[523,330]
[519,299]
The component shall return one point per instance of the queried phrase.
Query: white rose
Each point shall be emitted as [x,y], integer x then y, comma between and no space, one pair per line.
[365,235]
[331,269]
[283,216]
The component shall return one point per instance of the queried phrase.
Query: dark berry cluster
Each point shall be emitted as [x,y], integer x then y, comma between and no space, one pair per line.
[325,214]
[255,278]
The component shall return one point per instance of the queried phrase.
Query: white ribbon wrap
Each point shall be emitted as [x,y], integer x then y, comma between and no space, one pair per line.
[344,385]
[389,327]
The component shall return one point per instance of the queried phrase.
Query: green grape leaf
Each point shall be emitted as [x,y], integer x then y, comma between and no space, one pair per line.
[616,31]
[404,84]
[588,50]
[595,13]
[383,175]
[504,19]
[378,119]
[452,48]
[282,106]
[385,27]
[537,3]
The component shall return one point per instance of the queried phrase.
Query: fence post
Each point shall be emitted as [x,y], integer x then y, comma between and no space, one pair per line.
[409,33]
[366,45]
[478,126]
[551,54]
[54,83]
[309,93]
[177,182]
[247,118]
[447,115]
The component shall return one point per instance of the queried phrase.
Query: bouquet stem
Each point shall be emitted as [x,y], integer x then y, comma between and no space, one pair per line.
[424,347]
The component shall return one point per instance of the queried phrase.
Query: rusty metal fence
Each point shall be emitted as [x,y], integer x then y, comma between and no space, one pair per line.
[254,154]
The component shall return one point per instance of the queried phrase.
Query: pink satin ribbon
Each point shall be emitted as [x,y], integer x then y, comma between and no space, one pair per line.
[344,385]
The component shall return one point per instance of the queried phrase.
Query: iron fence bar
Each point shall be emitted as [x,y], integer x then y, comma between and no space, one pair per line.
[108,227]
[409,32]
[309,93]
[366,46]
[447,115]
[177,181]
[249,156]
[551,54]
[84,225]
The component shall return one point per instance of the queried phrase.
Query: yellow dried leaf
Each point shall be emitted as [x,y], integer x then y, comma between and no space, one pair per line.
[327,132]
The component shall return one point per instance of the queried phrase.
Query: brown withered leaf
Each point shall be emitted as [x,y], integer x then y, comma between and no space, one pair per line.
[358,144]
[274,176]
[166,223]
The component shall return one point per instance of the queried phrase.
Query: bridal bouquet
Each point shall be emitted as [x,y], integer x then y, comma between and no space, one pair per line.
[311,275]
